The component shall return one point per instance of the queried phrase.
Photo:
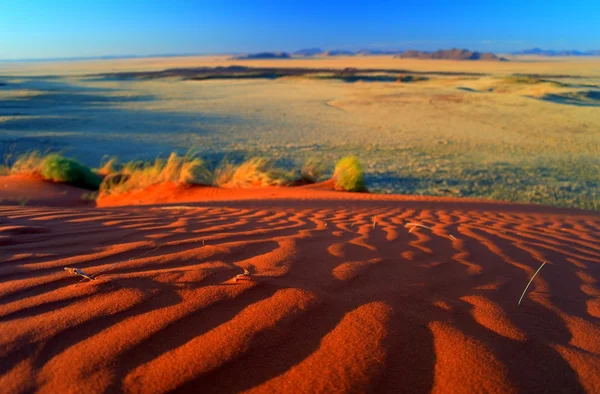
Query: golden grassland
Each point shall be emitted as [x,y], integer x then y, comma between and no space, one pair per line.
[532,138]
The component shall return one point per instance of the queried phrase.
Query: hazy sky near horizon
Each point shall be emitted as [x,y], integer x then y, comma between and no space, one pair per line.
[80,28]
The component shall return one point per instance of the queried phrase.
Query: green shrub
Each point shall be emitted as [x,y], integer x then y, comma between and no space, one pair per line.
[348,175]
[57,168]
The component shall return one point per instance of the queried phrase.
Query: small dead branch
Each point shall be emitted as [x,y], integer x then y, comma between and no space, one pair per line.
[245,275]
[77,271]
[530,280]
[413,226]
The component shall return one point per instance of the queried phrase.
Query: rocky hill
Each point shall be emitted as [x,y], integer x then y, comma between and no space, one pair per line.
[263,55]
[451,54]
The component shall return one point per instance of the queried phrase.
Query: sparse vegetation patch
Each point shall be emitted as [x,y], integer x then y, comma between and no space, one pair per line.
[349,175]
[255,172]
[188,169]
[56,168]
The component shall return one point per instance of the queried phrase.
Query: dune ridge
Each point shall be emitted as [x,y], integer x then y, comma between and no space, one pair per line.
[341,297]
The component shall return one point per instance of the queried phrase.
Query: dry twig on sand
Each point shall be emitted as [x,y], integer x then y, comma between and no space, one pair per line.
[530,280]
[77,271]
[245,275]
[415,225]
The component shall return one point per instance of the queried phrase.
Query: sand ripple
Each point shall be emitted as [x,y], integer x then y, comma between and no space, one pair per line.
[341,298]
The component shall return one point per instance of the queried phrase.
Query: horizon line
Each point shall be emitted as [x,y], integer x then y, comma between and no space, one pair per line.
[192,54]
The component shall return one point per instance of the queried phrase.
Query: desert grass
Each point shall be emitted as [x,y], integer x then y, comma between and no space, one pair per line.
[187,169]
[192,170]
[255,172]
[313,170]
[349,175]
[113,178]
[56,168]
[26,164]
[108,167]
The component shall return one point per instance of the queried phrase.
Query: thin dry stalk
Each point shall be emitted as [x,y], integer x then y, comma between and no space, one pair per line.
[530,280]
[415,225]
[85,276]
[245,275]
[77,271]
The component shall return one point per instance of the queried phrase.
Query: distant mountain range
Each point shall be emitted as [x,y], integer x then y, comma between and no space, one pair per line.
[308,52]
[542,52]
[451,54]
[263,55]
[338,52]
[343,52]
[370,52]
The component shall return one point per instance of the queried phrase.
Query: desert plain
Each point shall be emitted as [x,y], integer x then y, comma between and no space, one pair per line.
[478,172]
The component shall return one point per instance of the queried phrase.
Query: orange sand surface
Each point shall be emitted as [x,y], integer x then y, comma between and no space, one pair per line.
[340,297]
[28,191]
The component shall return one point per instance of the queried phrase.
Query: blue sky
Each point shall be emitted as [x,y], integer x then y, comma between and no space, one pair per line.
[80,28]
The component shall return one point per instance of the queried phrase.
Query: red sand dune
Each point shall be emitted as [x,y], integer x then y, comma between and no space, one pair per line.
[29,191]
[341,297]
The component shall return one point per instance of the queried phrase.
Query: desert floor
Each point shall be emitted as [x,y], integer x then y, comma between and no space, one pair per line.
[344,293]
[494,136]
[341,296]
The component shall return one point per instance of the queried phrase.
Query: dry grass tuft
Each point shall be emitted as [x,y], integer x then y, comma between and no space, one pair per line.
[187,169]
[107,168]
[28,164]
[312,170]
[255,172]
